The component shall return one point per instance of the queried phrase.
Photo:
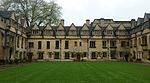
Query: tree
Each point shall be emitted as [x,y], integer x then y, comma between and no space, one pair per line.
[34,11]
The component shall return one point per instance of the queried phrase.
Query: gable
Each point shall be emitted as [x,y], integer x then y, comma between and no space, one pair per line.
[19,21]
[97,27]
[72,27]
[35,27]
[48,27]
[109,27]
[85,27]
[60,27]
[13,16]
[121,27]
[25,24]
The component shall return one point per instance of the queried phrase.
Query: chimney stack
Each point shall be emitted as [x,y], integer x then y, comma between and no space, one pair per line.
[88,22]
[133,23]
[62,22]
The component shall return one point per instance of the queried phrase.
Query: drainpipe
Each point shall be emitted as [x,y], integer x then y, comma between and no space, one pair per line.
[60,50]
[88,48]
[108,47]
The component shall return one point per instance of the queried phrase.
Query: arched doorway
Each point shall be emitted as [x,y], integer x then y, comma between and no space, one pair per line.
[78,57]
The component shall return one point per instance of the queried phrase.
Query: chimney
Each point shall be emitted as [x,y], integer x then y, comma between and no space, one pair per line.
[62,22]
[88,22]
[133,23]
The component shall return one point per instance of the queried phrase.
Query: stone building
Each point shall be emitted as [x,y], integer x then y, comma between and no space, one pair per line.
[13,37]
[102,39]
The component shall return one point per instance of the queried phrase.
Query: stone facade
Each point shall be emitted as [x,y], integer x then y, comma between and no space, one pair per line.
[13,37]
[102,39]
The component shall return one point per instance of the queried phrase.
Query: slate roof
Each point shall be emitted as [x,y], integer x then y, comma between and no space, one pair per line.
[6,14]
[140,20]
[103,27]
[148,15]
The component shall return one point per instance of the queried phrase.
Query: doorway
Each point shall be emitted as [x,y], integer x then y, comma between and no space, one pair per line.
[78,57]
[40,55]
[113,54]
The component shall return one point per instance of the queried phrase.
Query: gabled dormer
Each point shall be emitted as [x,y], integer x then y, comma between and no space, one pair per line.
[60,30]
[13,16]
[25,24]
[108,30]
[72,27]
[84,31]
[85,27]
[146,17]
[48,27]
[72,30]
[60,27]
[121,27]
[35,30]
[121,30]
[109,27]
[97,27]
[35,27]
[19,20]
[97,30]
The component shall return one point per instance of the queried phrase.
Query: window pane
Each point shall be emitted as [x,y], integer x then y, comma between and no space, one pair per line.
[66,45]
[39,44]
[57,45]
[48,44]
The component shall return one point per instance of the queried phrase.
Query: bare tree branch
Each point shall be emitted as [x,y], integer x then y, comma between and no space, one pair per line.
[34,11]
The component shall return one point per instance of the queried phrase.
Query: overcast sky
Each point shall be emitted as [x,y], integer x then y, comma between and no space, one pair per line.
[77,11]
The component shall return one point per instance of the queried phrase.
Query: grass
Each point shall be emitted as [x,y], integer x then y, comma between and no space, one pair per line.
[76,72]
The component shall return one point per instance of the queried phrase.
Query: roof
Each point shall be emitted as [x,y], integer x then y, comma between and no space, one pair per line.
[148,15]
[6,14]
[122,21]
[140,20]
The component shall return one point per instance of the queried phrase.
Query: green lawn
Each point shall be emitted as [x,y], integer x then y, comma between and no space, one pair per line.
[76,72]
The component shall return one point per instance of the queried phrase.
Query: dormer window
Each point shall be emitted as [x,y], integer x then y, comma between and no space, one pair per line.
[109,32]
[35,32]
[97,32]
[49,32]
[121,32]
[72,32]
[84,32]
[60,32]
